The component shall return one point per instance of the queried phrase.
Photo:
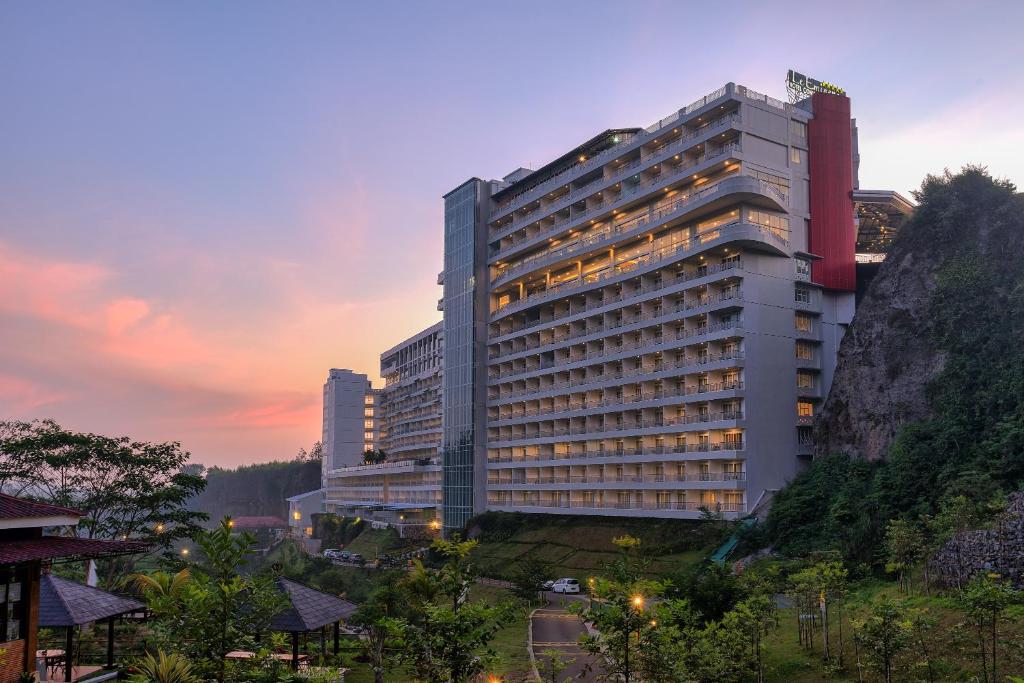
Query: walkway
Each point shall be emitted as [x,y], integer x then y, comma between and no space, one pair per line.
[554,628]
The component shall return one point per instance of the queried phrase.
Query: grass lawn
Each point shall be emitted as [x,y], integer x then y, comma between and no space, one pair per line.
[373,542]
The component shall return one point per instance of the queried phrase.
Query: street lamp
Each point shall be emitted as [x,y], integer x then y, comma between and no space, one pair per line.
[638,601]
[184,551]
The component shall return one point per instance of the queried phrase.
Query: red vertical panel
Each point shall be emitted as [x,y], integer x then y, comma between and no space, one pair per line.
[833,235]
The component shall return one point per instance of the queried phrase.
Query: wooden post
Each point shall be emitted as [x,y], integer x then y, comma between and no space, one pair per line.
[323,641]
[68,653]
[337,635]
[295,650]
[110,643]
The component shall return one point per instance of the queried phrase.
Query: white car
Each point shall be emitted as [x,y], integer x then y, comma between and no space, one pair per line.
[566,586]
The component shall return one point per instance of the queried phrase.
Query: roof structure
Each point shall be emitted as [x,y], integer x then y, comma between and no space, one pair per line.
[310,609]
[260,522]
[65,548]
[307,494]
[18,508]
[66,603]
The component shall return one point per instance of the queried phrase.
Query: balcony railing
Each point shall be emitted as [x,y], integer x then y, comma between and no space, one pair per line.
[684,365]
[622,452]
[621,505]
[650,423]
[666,253]
[617,174]
[626,297]
[624,193]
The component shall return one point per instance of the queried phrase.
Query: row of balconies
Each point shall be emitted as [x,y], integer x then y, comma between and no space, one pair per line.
[649,258]
[536,226]
[601,478]
[615,427]
[676,367]
[680,390]
[517,201]
[731,446]
[643,338]
[640,288]
[495,500]
[607,230]
[617,412]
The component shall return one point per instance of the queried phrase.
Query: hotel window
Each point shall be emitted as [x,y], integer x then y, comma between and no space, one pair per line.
[368,424]
[732,260]
[804,380]
[802,295]
[804,409]
[798,129]
[804,351]
[803,269]
[804,322]
[797,156]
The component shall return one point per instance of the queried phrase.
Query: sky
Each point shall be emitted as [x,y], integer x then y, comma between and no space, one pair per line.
[204,206]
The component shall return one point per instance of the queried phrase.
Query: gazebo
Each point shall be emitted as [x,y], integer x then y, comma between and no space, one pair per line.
[67,604]
[309,610]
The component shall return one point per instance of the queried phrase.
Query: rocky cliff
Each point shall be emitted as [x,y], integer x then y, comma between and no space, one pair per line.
[967,233]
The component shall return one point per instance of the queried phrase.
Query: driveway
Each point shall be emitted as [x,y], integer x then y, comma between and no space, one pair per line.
[554,628]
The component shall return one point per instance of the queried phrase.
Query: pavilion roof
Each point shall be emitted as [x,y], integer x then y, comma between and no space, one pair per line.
[65,548]
[310,609]
[63,602]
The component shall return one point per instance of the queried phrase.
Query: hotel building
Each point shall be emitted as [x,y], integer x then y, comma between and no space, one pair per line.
[646,325]
[405,490]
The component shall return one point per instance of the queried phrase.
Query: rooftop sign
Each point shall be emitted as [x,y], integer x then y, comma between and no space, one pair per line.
[801,87]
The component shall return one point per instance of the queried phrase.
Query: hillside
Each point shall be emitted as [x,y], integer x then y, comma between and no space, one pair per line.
[929,389]
[580,546]
[255,489]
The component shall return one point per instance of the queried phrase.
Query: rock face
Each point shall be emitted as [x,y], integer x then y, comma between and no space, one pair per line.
[891,351]
[999,550]
[884,361]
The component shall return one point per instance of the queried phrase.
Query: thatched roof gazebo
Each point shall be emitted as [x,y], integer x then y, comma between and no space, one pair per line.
[65,603]
[309,610]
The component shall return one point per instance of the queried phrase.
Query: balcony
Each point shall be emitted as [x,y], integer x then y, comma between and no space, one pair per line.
[647,158]
[606,304]
[748,234]
[674,174]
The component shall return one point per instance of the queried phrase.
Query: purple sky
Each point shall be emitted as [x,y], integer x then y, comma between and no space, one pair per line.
[204,206]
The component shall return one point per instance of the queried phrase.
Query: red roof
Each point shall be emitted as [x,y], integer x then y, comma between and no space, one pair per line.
[65,547]
[264,522]
[16,508]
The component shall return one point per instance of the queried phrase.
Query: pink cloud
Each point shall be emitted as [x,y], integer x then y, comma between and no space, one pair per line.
[26,396]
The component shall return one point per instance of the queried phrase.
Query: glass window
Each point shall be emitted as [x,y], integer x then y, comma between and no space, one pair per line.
[803,268]
[802,295]
[797,156]
[804,350]
[804,380]
[798,129]
[804,322]
[804,409]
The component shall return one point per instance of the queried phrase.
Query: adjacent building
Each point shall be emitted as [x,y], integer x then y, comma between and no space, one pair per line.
[350,426]
[404,491]
[647,324]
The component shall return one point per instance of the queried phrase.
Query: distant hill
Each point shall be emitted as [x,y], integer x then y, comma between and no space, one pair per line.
[255,489]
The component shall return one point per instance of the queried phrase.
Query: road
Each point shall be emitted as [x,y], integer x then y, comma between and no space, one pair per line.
[554,628]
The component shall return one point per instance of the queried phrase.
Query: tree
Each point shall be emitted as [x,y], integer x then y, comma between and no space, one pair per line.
[818,588]
[529,576]
[314,454]
[125,489]
[211,610]
[635,639]
[551,664]
[884,634]
[985,601]
[381,618]
[904,547]
[374,457]
[448,636]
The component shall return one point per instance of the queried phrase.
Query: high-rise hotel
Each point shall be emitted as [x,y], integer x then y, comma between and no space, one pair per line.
[647,324]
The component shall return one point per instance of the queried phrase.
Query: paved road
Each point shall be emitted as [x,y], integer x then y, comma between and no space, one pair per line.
[556,629]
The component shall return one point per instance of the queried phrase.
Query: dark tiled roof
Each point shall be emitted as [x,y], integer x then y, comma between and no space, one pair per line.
[265,522]
[310,608]
[15,508]
[64,547]
[66,603]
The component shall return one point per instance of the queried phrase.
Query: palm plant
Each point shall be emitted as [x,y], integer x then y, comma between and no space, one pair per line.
[172,668]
